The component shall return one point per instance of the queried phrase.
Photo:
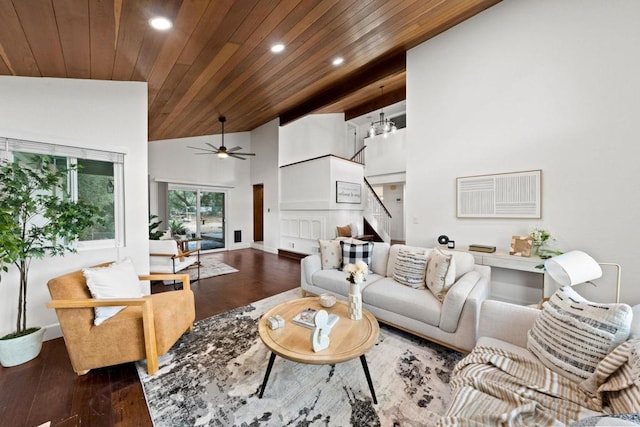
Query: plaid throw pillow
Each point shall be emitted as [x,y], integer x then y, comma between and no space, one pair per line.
[352,253]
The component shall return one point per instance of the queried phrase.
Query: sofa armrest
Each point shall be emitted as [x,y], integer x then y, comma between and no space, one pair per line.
[455,300]
[309,265]
[506,322]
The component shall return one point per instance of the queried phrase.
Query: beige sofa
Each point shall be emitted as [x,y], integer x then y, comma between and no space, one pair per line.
[452,323]
[503,383]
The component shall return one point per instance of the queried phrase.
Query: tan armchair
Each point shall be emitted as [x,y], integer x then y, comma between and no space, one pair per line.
[146,328]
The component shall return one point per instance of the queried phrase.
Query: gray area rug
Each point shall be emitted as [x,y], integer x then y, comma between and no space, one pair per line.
[208,268]
[212,377]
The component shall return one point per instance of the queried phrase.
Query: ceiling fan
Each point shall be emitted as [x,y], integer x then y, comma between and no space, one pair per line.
[223,152]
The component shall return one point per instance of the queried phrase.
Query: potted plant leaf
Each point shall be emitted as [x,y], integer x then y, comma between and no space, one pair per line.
[37,219]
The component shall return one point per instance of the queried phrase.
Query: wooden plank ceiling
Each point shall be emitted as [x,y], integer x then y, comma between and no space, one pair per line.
[216,60]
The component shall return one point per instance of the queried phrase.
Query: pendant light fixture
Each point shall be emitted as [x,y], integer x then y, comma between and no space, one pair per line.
[383,126]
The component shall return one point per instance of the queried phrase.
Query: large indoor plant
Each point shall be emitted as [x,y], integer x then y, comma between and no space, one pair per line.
[37,219]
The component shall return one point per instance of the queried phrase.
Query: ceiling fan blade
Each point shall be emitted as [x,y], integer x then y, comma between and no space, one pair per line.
[236,148]
[208,152]
[212,146]
[198,148]
[235,156]
[245,154]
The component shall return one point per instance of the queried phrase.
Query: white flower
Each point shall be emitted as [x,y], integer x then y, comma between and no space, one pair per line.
[361,266]
[349,268]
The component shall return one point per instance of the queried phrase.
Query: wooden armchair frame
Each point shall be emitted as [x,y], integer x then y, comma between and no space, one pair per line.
[145,303]
[178,256]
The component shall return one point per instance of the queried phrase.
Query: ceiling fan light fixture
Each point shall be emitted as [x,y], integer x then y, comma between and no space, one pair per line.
[160,23]
[222,155]
[223,152]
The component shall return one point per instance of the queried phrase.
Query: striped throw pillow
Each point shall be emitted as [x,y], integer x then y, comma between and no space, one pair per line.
[572,335]
[409,268]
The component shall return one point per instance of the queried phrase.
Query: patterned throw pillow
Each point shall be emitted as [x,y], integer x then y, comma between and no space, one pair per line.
[438,264]
[352,253]
[330,254]
[409,268]
[572,335]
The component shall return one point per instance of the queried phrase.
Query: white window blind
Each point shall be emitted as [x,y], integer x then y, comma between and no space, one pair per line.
[10,144]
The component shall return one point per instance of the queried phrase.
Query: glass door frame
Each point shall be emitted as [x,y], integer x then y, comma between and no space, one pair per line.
[199,189]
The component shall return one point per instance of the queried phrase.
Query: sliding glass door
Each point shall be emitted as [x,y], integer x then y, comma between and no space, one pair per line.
[198,213]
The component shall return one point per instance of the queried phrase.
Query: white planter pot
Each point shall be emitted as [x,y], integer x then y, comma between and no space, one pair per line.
[19,350]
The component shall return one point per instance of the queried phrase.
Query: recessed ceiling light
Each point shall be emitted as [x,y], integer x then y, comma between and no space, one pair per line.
[337,61]
[160,23]
[277,48]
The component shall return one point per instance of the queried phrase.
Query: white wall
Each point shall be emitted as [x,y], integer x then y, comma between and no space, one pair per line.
[393,199]
[96,114]
[264,170]
[532,84]
[312,136]
[172,161]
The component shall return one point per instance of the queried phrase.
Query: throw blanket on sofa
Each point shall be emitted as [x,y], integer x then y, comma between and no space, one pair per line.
[494,387]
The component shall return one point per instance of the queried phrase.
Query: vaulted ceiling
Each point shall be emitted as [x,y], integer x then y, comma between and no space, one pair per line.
[216,60]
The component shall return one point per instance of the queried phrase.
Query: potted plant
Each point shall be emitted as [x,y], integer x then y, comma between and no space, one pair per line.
[37,219]
[154,233]
[177,228]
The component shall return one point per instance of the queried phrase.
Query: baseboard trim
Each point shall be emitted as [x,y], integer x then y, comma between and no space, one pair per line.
[291,254]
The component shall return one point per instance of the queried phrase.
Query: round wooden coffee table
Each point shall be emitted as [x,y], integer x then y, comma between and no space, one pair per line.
[348,338]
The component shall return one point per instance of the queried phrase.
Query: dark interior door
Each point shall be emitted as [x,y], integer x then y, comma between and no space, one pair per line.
[258,212]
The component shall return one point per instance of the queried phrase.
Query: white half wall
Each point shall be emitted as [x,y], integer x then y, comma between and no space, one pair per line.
[171,160]
[524,85]
[104,115]
[313,136]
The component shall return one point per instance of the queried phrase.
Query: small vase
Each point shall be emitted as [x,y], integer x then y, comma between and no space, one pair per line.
[355,301]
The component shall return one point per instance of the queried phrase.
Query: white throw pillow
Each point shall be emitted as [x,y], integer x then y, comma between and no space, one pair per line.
[438,266]
[410,267]
[572,335]
[330,254]
[118,280]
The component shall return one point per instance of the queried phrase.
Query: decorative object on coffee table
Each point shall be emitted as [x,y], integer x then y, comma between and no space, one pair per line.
[320,337]
[356,275]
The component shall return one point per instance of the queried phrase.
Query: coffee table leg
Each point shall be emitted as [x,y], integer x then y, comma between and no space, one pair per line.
[266,375]
[366,373]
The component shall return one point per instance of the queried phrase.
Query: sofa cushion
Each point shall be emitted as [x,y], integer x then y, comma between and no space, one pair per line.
[417,304]
[506,346]
[118,280]
[438,266]
[354,252]
[572,335]
[344,231]
[336,281]
[410,267]
[379,258]
[330,254]
[464,262]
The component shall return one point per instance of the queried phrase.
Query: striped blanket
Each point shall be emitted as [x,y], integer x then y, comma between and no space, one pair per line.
[498,388]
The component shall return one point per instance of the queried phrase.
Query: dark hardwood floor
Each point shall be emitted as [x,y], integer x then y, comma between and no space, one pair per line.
[47,389]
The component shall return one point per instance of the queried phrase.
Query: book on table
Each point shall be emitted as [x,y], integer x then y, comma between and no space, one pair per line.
[482,248]
[307,316]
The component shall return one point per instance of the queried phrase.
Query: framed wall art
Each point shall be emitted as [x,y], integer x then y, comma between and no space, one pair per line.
[348,192]
[504,195]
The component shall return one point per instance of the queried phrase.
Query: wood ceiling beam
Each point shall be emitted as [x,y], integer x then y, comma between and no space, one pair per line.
[364,76]
[380,102]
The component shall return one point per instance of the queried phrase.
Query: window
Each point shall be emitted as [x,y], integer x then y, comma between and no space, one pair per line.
[97,180]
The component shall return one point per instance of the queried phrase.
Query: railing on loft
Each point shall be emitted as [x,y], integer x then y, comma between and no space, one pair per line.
[377,214]
[359,156]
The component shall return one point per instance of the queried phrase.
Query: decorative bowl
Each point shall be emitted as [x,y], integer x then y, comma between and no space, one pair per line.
[327,300]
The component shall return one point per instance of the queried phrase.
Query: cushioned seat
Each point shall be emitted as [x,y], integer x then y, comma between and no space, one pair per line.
[165,257]
[147,327]
[335,281]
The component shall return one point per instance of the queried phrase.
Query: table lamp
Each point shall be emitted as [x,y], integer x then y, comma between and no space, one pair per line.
[574,267]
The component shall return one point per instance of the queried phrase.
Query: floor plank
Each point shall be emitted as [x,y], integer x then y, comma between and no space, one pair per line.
[47,389]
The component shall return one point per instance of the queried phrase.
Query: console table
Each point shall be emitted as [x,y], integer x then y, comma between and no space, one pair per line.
[502,259]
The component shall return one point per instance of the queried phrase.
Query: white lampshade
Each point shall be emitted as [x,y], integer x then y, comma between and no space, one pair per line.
[572,268]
